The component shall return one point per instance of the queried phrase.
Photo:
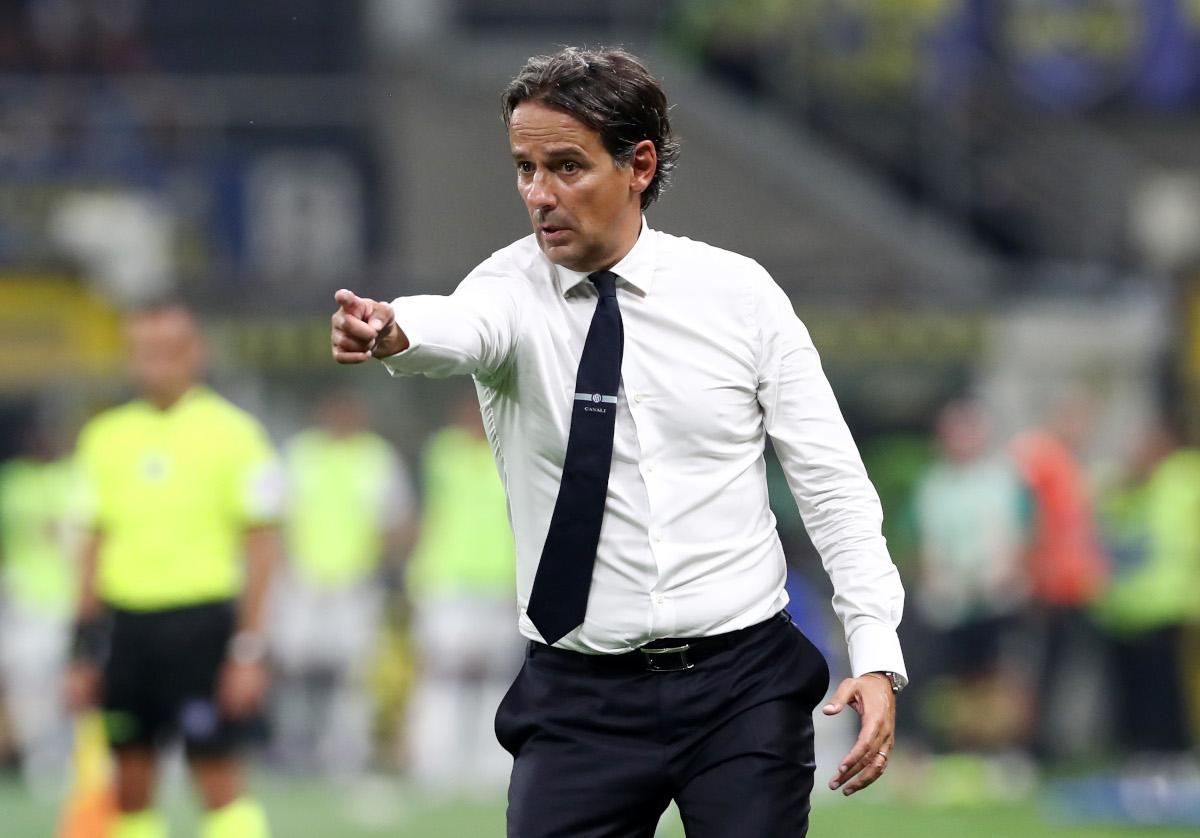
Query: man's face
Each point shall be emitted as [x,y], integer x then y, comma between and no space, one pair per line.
[963,432]
[165,353]
[586,210]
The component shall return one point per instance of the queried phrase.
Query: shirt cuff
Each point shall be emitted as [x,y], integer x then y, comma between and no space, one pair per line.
[876,648]
[401,364]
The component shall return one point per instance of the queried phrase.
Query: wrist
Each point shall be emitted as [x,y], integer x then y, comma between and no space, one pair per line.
[391,341]
[894,680]
[384,341]
[247,647]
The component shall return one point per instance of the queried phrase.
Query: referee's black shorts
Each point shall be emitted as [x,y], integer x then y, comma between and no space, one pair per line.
[160,679]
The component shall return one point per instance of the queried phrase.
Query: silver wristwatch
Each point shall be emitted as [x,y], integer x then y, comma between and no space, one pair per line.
[898,683]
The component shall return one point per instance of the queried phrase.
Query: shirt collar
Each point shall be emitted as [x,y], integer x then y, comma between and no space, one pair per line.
[635,271]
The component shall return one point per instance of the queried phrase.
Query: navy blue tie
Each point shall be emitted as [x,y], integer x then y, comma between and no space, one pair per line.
[558,602]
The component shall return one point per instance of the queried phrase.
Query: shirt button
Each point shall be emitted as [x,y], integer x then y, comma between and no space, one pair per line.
[650,467]
[637,397]
[658,536]
[659,598]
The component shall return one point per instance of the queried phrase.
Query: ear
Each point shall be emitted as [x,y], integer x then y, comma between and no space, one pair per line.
[643,164]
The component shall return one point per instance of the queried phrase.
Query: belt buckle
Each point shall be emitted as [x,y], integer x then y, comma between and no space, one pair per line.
[658,660]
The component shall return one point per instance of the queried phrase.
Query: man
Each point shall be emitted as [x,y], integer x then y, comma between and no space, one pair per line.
[37,595]
[1151,523]
[1067,572]
[971,512]
[460,580]
[183,486]
[627,380]
[350,507]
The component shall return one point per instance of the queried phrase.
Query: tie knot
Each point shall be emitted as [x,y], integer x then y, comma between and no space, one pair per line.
[605,282]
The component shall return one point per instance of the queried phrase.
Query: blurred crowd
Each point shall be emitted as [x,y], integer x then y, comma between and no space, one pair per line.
[1054,601]
[392,623]
[72,36]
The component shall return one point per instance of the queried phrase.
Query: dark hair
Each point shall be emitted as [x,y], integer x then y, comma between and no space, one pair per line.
[610,92]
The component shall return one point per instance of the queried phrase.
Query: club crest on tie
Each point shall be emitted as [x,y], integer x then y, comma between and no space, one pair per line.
[596,399]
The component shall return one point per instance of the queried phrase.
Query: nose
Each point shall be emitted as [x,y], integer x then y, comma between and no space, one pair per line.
[539,192]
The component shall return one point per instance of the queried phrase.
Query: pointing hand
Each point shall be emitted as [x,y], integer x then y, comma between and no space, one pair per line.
[364,329]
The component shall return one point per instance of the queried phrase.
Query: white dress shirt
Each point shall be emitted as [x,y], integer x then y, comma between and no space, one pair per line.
[714,360]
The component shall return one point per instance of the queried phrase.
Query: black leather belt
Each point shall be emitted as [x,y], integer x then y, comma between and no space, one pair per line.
[668,654]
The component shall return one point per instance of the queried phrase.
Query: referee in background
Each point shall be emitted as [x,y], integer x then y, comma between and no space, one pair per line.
[183,492]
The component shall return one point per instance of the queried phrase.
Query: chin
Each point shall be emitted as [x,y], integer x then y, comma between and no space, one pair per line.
[562,256]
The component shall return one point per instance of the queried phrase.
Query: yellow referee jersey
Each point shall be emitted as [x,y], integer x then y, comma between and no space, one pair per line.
[171,493]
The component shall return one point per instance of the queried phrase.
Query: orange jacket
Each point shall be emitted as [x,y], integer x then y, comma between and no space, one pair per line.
[1066,564]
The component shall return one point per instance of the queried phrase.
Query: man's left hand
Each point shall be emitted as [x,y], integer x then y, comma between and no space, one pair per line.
[242,689]
[871,695]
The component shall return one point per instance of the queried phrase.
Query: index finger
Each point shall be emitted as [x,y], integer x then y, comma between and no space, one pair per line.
[870,771]
[862,751]
[351,303]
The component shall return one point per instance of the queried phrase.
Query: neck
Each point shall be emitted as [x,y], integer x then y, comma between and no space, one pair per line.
[167,399]
[628,239]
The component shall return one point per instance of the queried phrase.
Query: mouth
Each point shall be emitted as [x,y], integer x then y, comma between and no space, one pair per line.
[553,234]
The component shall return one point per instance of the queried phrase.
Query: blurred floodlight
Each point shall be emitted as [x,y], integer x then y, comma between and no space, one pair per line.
[392,24]
[122,238]
[1165,217]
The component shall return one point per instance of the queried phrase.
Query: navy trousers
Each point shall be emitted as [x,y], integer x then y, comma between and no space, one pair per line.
[600,752]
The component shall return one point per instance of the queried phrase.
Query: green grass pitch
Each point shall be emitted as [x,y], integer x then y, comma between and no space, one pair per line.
[385,807]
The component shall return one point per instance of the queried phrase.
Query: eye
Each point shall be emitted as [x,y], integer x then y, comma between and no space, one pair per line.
[570,166]
[524,167]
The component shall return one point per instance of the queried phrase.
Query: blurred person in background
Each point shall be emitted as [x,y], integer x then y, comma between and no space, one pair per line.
[350,513]
[461,582]
[628,380]
[1067,569]
[184,494]
[971,513]
[38,591]
[1151,523]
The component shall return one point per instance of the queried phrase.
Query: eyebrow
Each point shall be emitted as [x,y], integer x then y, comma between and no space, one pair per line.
[554,154]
